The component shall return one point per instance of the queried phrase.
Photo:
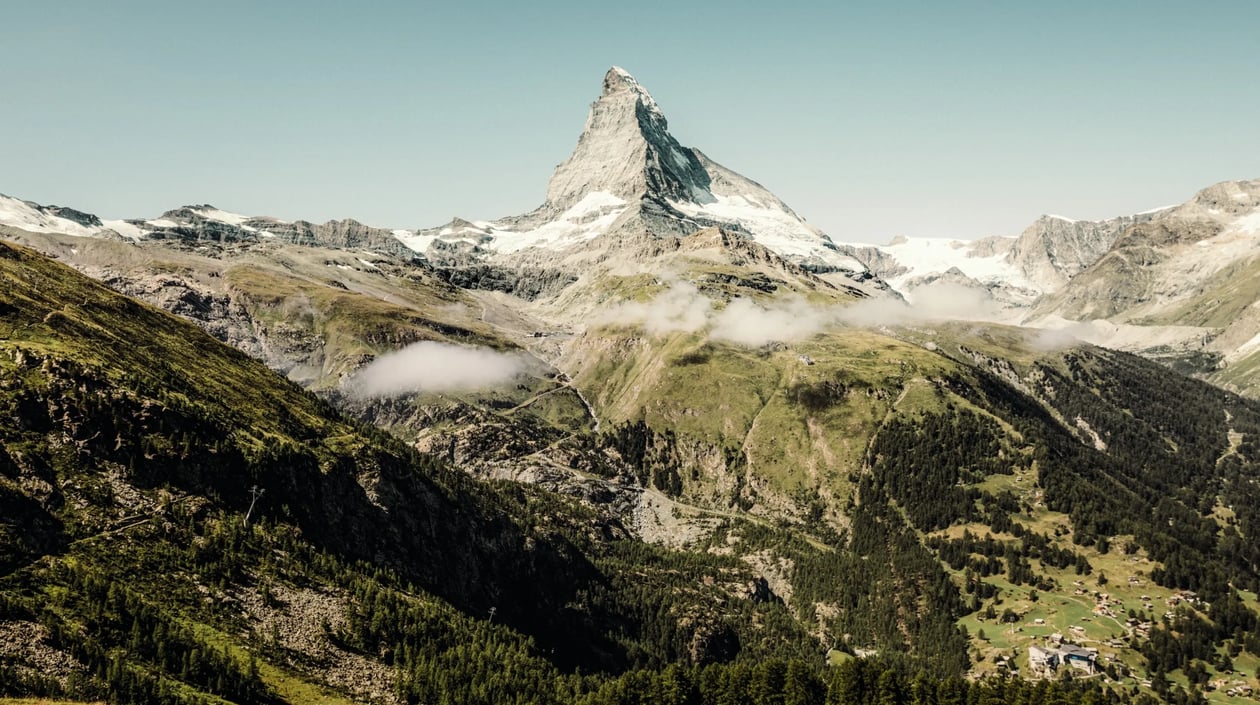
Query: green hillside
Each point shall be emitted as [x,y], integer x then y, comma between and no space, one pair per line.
[934,502]
[128,563]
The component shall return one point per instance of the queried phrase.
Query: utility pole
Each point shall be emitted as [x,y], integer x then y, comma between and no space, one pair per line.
[254,492]
[492,611]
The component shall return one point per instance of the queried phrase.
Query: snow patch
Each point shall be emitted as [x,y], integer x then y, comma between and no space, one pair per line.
[591,203]
[415,241]
[223,216]
[20,214]
[127,230]
[587,219]
[1249,223]
[778,230]
[924,256]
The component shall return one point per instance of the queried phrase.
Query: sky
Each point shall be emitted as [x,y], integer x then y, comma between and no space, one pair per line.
[872,119]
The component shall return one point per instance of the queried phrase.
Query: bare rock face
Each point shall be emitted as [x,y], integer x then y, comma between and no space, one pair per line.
[346,234]
[284,347]
[206,223]
[76,216]
[1156,264]
[1224,200]
[876,260]
[1053,250]
[626,150]
[192,224]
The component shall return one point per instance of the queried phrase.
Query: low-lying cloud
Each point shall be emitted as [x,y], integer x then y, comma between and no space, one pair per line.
[683,308]
[1051,339]
[746,322]
[430,366]
[941,301]
[679,309]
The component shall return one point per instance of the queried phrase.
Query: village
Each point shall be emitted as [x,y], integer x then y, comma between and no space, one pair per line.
[1083,650]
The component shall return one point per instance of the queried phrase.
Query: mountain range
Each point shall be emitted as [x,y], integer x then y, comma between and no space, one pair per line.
[659,424]
[1135,282]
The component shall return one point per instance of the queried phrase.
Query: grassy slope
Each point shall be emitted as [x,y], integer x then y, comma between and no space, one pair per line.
[340,493]
[740,398]
[669,381]
[736,397]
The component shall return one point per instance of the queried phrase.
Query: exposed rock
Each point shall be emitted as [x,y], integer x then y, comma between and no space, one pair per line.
[25,644]
[528,283]
[342,234]
[298,622]
[77,216]
[626,150]
[1053,250]
[629,178]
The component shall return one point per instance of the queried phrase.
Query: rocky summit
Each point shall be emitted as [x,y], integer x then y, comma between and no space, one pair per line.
[626,151]
[629,177]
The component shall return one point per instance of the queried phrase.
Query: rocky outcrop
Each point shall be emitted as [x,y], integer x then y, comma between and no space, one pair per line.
[1053,249]
[77,216]
[205,222]
[344,234]
[876,260]
[285,347]
[1170,257]
[528,283]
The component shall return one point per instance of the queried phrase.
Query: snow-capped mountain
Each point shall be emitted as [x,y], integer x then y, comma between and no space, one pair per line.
[35,218]
[908,263]
[1015,270]
[1174,283]
[628,176]
[1180,285]
[200,223]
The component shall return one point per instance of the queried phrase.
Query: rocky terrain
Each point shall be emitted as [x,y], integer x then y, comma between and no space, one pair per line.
[720,436]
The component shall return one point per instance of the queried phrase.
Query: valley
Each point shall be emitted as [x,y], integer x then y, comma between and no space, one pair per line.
[721,453]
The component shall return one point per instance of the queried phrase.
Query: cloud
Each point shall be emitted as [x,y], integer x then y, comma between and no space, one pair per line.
[745,322]
[1050,339]
[679,309]
[939,301]
[683,309]
[876,312]
[430,366]
[947,301]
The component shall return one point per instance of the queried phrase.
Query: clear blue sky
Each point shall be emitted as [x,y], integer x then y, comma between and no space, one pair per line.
[870,119]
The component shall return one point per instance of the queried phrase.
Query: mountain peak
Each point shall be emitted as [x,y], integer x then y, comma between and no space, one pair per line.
[626,150]
[629,175]
[619,80]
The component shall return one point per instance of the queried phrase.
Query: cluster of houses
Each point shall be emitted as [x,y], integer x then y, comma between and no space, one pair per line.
[1140,628]
[1236,689]
[1047,659]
